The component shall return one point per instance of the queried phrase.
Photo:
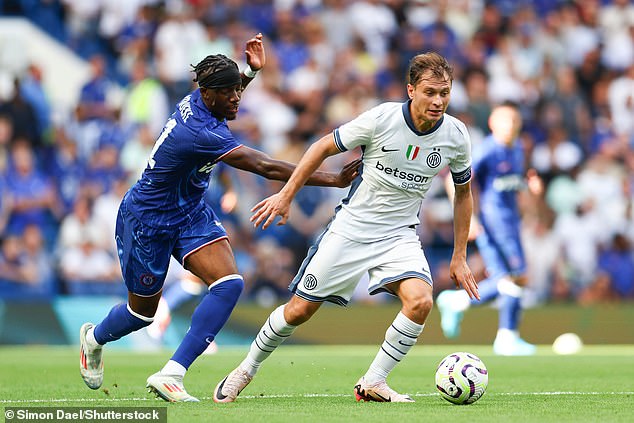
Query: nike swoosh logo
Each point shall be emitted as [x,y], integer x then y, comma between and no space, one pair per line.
[219,394]
[209,341]
[388,399]
[404,344]
[388,150]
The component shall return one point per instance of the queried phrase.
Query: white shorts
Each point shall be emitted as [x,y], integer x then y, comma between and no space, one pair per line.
[335,264]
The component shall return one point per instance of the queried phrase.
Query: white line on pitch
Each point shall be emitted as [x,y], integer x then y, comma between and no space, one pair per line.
[418,394]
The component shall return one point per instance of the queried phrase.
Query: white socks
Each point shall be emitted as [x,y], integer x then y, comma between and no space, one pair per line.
[508,287]
[271,335]
[506,335]
[400,337]
[90,338]
[461,300]
[173,368]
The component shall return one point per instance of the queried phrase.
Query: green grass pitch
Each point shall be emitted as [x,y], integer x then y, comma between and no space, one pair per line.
[314,384]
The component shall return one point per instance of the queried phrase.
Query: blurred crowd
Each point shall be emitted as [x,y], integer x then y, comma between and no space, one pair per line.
[568,64]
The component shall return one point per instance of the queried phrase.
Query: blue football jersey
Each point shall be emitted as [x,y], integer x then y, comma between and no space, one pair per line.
[499,173]
[176,177]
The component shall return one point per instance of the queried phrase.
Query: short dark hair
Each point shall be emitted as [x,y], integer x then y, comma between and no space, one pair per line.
[432,61]
[212,64]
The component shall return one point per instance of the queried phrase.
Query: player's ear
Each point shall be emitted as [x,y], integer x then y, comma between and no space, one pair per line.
[410,91]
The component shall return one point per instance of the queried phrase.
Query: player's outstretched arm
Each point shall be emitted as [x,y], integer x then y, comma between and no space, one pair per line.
[458,268]
[257,162]
[268,209]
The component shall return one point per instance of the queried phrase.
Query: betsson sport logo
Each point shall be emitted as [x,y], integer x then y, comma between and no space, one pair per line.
[409,180]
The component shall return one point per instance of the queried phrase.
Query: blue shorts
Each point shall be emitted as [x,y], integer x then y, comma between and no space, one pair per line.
[501,250]
[144,251]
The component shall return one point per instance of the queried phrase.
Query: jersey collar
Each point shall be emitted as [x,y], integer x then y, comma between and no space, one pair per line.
[410,122]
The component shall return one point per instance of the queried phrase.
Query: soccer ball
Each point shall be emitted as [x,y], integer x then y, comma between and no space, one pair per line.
[568,343]
[461,378]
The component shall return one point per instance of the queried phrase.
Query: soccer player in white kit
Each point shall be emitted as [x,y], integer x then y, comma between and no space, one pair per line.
[404,145]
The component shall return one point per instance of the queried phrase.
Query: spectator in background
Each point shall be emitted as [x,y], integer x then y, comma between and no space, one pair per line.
[173,43]
[95,93]
[76,226]
[103,169]
[22,115]
[145,101]
[13,266]
[19,278]
[621,102]
[136,150]
[617,262]
[40,259]
[35,199]
[581,232]
[6,136]
[32,88]
[66,169]
[90,269]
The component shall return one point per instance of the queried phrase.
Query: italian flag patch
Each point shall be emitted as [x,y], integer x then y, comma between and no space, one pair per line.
[412,152]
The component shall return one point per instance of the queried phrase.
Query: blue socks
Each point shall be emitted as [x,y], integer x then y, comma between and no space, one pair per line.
[488,290]
[509,313]
[119,322]
[208,318]
[509,295]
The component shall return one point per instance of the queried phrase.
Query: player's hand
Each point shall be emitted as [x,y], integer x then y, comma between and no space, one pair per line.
[268,209]
[534,182]
[461,275]
[256,58]
[348,173]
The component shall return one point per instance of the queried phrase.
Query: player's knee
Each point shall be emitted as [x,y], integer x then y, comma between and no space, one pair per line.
[420,305]
[144,307]
[520,280]
[296,313]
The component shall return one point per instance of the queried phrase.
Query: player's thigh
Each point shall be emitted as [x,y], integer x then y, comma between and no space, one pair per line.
[212,261]
[203,248]
[398,259]
[144,254]
[332,269]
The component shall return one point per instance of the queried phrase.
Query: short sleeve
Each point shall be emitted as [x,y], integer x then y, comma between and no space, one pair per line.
[358,131]
[215,142]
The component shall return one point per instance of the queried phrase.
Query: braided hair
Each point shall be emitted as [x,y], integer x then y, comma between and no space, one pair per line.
[216,71]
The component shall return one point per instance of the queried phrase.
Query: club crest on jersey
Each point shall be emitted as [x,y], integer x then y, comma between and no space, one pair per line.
[412,152]
[310,282]
[147,279]
[434,159]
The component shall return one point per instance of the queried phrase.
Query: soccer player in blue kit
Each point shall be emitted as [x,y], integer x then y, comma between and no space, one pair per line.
[499,173]
[164,214]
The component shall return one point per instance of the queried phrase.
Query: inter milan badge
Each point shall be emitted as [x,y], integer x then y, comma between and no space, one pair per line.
[147,279]
[310,282]
[434,158]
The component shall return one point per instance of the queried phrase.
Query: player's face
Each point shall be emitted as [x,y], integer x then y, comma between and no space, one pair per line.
[430,98]
[223,102]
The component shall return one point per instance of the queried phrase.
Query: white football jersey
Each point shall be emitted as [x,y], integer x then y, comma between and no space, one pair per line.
[399,163]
